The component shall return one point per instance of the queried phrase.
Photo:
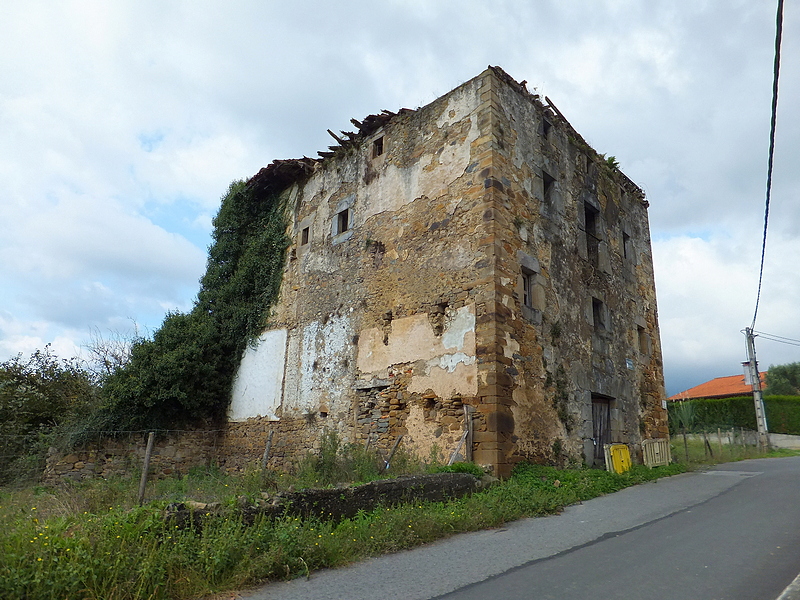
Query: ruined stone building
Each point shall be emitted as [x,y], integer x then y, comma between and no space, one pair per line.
[472,259]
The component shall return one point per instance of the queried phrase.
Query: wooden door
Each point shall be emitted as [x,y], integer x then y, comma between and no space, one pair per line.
[601,427]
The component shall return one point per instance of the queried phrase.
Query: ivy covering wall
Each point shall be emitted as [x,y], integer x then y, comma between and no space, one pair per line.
[184,373]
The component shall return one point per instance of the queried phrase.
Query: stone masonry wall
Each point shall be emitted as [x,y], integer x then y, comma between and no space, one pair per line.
[587,330]
[172,454]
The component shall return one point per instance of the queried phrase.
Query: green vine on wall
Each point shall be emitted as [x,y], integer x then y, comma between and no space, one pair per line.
[184,374]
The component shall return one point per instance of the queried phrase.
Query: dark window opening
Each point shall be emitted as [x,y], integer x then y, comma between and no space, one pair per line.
[343,221]
[549,185]
[527,289]
[304,236]
[546,127]
[626,242]
[377,147]
[598,315]
[591,215]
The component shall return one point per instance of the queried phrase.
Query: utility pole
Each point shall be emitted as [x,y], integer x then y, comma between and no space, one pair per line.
[755,382]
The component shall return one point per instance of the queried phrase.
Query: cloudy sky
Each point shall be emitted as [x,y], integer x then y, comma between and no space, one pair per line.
[122,123]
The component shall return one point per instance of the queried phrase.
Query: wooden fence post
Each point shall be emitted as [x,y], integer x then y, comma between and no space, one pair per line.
[143,481]
[267,448]
[470,431]
[391,454]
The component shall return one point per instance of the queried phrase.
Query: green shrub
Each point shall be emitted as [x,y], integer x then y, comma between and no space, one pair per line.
[783,414]
[39,395]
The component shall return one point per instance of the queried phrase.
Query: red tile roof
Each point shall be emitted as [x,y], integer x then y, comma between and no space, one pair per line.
[719,387]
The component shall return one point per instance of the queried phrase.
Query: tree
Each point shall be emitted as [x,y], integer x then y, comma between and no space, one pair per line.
[38,395]
[783,380]
[110,352]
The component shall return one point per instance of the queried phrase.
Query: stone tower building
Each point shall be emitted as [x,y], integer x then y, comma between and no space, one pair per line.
[473,260]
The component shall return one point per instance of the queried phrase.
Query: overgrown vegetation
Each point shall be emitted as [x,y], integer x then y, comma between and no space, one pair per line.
[340,462]
[88,541]
[38,395]
[185,372]
[181,375]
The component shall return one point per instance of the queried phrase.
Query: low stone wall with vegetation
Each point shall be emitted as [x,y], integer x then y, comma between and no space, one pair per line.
[241,445]
[173,453]
[341,502]
[233,449]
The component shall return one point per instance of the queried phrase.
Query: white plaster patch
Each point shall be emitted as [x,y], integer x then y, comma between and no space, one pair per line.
[451,361]
[430,175]
[291,385]
[450,365]
[258,385]
[455,333]
[460,105]
[395,188]
[322,374]
[319,261]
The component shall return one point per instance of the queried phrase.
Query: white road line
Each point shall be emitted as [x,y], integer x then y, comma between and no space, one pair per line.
[792,591]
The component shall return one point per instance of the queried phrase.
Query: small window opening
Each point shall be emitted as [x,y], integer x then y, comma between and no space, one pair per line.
[592,239]
[527,288]
[546,127]
[377,147]
[343,221]
[643,339]
[549,185]
[626,242]
[598,315]
[304,236]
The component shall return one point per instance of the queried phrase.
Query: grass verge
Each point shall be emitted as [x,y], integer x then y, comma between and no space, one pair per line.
[716,451]
[83,542]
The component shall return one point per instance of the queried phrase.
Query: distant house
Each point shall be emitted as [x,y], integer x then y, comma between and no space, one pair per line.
[720,387]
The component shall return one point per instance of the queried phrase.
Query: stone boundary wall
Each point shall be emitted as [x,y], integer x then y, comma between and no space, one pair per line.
[239,446]
[234,449]
[175,452]
[741,437]
[242,444]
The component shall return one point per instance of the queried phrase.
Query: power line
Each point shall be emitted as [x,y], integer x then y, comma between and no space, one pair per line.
[777,338]
[775,74]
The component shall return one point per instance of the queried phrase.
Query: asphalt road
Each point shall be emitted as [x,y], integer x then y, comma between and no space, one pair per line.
[730,533]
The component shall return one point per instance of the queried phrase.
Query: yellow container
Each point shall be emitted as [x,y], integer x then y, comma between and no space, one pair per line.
[618,458]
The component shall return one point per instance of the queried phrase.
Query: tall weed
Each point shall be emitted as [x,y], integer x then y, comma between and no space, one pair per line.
[118,551]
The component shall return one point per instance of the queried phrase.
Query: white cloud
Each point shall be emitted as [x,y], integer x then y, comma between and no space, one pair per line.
[123,124]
